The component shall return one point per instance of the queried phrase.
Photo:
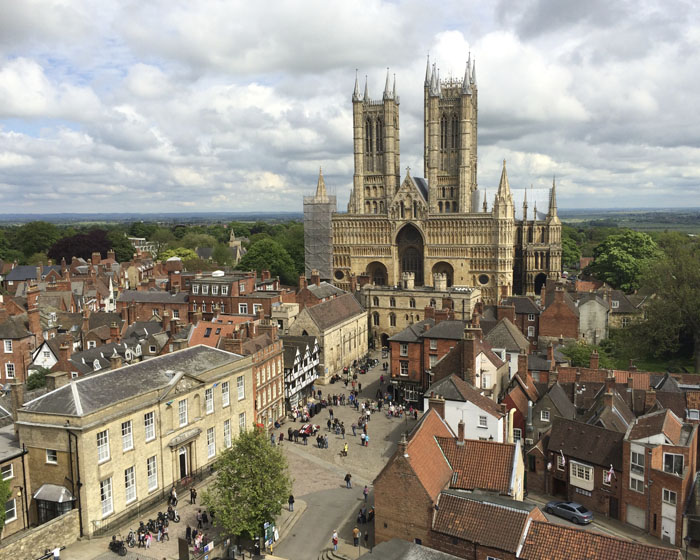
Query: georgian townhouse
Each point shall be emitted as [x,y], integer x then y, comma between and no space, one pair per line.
[14,471]
[301,361]
[118,440]
[659,464]
[211,295]
[17,343]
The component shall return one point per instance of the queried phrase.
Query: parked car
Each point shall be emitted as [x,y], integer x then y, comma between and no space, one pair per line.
[572,511]
[309,429]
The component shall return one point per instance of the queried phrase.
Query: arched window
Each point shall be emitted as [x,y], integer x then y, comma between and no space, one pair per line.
[412,303]
[443,132]
[374,206]
[367,192]
[432,302]
[368,136]
[375,301]
[392,319]
[452,192]
[440,207]
[381,206]
[392,302]
[374,192]
[444,192]
[403,210]
[380,137]
[454,207]
[368,207]
[455,132]
[415,210]
[375,319]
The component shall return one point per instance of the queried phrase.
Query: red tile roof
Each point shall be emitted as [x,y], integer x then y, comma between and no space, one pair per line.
[486,465]
[488,524]
[661,422]
[198,335]
[556,542]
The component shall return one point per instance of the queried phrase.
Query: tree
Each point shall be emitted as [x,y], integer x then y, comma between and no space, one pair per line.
[81,245]
[621,259]
[192,240]
[292,239]
[580,355]
[37,378]
[252,483]
[673,313]
[36,237]
[268,254]
[5,494]
[182,252]
[222,254]
[570,253]
[122,247]
[161,238]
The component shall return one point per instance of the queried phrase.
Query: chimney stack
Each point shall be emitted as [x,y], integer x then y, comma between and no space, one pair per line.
[35,324]
[315,277]
[550,356]
[57,379]
[469,357]
[265,275]
[302,282]
[649,399]
[17,400]
[438,403]
[114,332]
[522,365]
[610,382]
[115,361]
[506,311]
[96,258]
[460,432]
[595,360]
[64,353]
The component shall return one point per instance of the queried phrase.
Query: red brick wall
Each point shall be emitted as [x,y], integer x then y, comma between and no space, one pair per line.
[414,358]
[443,347]
[558,320]
[144,311]
[20,357]
[455,546]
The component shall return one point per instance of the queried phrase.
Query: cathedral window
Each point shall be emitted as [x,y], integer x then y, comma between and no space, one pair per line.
[403,211]
[374,192]
[455,132]
[392,302]
[392,319]
[368,136]
[454,207]
[452,192]
[380,137]
[432,302]
[375,301]
[415,210]
[367,207]
[375,319]
[444,192]
[381,206]
[440,207]
[374,207]
[443,132]
[412,303]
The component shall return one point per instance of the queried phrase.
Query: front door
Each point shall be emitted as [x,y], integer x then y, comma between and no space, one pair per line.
[183,462]
[614,508]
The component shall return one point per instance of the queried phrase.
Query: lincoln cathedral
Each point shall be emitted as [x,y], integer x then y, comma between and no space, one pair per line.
[504,241]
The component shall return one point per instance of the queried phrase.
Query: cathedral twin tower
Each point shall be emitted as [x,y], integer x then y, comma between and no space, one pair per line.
[440,224]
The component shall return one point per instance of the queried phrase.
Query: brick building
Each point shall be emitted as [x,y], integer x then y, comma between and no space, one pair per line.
[315,292]
[18,343]
[526,316]
[560,318]
[139,305]
[14,471]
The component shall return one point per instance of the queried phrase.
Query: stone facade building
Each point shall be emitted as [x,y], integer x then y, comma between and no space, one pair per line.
[442,223]
[120,439]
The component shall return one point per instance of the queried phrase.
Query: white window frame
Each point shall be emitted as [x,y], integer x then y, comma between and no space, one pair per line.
[403,349]
[561,463]
[693,414]
[531,317]
[637,461]
[225,394]
[91,344]
[130,484]
[127,436]
[8,345]
[257,307]
[581,472]
[103,447]
[52,457]
[403,368]
[243,309]
[195,288]
[517,434]
[152,473]
[227,433]
[215,290]
[149,425]
[182,412]
[8,471]
[544,415]
[176,313]
[241,422]
[211,442]
[682,463]
[11,512]
[224,290]
[209,400]
[483,421]
[669,497]
[530,332]
[636,484]
[205,289]
[152,349]
[615,304]
[240,385]
[106,497]
[10,370]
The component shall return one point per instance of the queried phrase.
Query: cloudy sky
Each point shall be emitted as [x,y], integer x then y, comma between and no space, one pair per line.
[233,106]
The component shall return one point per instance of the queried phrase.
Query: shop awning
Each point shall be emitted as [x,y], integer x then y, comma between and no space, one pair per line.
[53,493]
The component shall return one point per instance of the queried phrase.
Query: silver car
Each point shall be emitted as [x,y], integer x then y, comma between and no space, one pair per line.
[572,511]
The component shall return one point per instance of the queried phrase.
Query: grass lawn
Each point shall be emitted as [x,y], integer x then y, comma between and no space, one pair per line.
[674,365]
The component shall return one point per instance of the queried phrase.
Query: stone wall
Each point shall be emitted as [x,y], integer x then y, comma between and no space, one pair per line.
[33,543]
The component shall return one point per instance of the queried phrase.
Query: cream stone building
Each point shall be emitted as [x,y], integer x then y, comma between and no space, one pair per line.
[340,326]
[121,438]
[443,223]
[393,309]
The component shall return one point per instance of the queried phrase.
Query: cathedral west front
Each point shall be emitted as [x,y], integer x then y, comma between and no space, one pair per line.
[399,225]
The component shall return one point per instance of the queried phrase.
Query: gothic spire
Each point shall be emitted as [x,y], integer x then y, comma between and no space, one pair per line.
[485,205]
[474,71]
[439,89]
[503,185]
[387,93]
[525,207]
[466,88]
[553,199]
[393,90]
[433,84]
[321,195]
[356,91]
[427,72]
[366,89]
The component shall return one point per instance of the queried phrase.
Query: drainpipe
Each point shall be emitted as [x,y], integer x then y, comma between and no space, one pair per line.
[24,491]
[80,484]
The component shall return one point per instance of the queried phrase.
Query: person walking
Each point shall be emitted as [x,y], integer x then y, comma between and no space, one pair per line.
[362,439]
[365,493]
[345,449]
[291,502]
[193,495]
[354,429]
[165,534]
[205,518]
[348,480]
[325,441]
[199,519]
[342,430]
[334,539]
[356,536]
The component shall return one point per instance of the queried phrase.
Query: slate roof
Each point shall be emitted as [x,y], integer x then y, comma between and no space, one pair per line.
[451,329]
[523,305]
[334,311]
[399,549]
[14,327]
[91,393]
[586,442]
[506,335]
[143,329]
[483,465]
[152,296]
[484,520]
[325,290]
[9,443]
[22,273]
[624,305]
[412,333]
[616,417]
[662,422]
[292,344]
[559,542]
[550,298]
[454,388]
[216,331]
[561,401]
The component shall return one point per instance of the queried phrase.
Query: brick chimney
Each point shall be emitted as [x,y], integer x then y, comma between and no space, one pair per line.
[151,282]
[114,334]
[35,324]
[232,344]
[608,400]
[166,321]
[559,293]
[469,357]
[260,315]
[302,282]
[96,258]
[64,353]
[522,365]
[460,432]
[315,277]
[595,360]
[38,273]
[506,311]
[111,255]
[115,361]
[17,400]
[610,382]
[632,367]
[57,379]
[630,381]
[64,267]
[429,312]
[438,403]
[353,283]
[33,296]
[265,275]
[649,399]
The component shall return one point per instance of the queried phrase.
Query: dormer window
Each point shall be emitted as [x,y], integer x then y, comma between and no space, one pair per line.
[205,289]
[96,365]
[615,304]
[224,290]
[195,288]
[214,290]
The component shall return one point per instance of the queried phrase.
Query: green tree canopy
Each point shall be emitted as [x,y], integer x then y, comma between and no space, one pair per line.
[570,253]
[181,252]
[268,254]
[580,355]
[222,255]
[622,258]
[81,245]
[192,240]
[252,482]
[37,378]
[123,249]
[36,237]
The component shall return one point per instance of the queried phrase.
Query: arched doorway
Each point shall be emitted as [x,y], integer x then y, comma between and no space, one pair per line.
[377,273]
[540,281]
[447,270]
[410,246]
[385,340]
